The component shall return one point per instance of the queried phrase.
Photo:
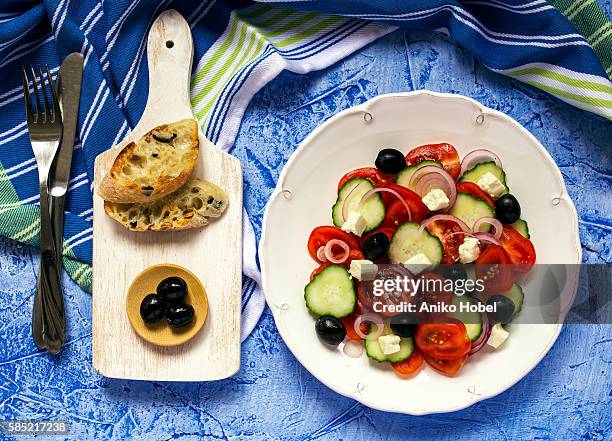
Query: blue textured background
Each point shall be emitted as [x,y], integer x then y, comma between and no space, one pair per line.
[568,396]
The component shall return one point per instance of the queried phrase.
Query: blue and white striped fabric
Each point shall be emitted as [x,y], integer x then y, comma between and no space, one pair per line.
[239,47]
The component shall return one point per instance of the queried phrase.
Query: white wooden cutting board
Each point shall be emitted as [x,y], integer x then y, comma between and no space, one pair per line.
[213,254]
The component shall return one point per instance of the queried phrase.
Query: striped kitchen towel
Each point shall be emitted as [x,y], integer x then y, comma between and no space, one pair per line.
[239,47]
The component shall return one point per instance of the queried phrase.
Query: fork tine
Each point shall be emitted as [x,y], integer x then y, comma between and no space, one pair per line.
[56,107]
[35,87]
[47,108]
[26,94]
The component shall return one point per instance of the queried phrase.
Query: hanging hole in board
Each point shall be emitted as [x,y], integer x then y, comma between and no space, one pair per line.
[287,194]
[169,44]
[479,119]
[367,117]
[556,201]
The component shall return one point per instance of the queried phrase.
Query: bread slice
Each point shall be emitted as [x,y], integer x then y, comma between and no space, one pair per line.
[194,205]
[158,164]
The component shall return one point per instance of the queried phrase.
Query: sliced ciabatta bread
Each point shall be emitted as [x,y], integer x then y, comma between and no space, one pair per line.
[158,164]
[191,206]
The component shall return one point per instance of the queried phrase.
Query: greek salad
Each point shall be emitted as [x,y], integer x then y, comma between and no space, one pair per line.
[430,216]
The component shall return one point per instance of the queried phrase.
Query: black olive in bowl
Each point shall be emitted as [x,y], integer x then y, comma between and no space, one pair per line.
[152,308]
[330,330]
[390,161]
[507,209]
[172,289]
[179,314]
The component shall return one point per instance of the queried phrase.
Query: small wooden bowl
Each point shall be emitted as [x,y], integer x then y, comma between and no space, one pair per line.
[161,333]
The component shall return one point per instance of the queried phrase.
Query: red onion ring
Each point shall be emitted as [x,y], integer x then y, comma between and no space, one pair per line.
[329,252]
[429,177]
[321,254]
[444,217]
[496,224]
[388,190]
[353,348]
[478,156]
[345,204]
[486,237]
[481,341]
[373,318]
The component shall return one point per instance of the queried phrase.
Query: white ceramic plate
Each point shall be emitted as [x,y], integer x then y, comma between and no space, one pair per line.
[306,192]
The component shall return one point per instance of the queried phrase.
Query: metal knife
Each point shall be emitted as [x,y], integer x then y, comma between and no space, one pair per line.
[71,78]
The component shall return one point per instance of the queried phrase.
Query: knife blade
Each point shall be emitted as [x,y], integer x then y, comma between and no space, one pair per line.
[71,78]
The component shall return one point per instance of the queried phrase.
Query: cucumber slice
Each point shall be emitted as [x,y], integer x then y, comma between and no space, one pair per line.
[469,209]
[409,240]
[331,292]
[522,227]
[373,210]
[471,320]
[517,296]
[403,178]
[374,352]
[476,172]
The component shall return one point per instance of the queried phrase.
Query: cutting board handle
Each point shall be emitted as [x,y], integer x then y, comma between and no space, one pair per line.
[169,54]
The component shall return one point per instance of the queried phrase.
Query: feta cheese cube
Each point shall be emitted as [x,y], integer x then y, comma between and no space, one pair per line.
[355,224]
[469,250]
[498,336]
[417,263]
[436,199]
[389,344]
[493,186]
[363,269]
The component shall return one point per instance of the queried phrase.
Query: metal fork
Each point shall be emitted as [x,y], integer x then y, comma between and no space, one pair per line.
[45,128]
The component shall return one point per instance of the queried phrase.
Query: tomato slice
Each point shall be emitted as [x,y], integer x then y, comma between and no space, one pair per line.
[494,267]
[443,340]
[520,249]
[409,367]
[321,235]
[443,152]
[396,213]
[446,231]
[446,367]
[353,255]
[375,176]
[318,269]
[476,191]
[349,324]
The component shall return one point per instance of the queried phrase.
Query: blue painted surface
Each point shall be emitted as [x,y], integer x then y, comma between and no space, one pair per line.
[568,396]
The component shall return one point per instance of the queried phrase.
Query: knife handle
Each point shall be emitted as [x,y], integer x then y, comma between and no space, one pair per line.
[56,207]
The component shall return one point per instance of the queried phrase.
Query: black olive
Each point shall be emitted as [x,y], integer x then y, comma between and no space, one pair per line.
[152,308]
[390,161]
[404,325]
[330,330]
[375,246]
[504,308]
[507,209]
[172,289]
[454,272]
[179,314]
